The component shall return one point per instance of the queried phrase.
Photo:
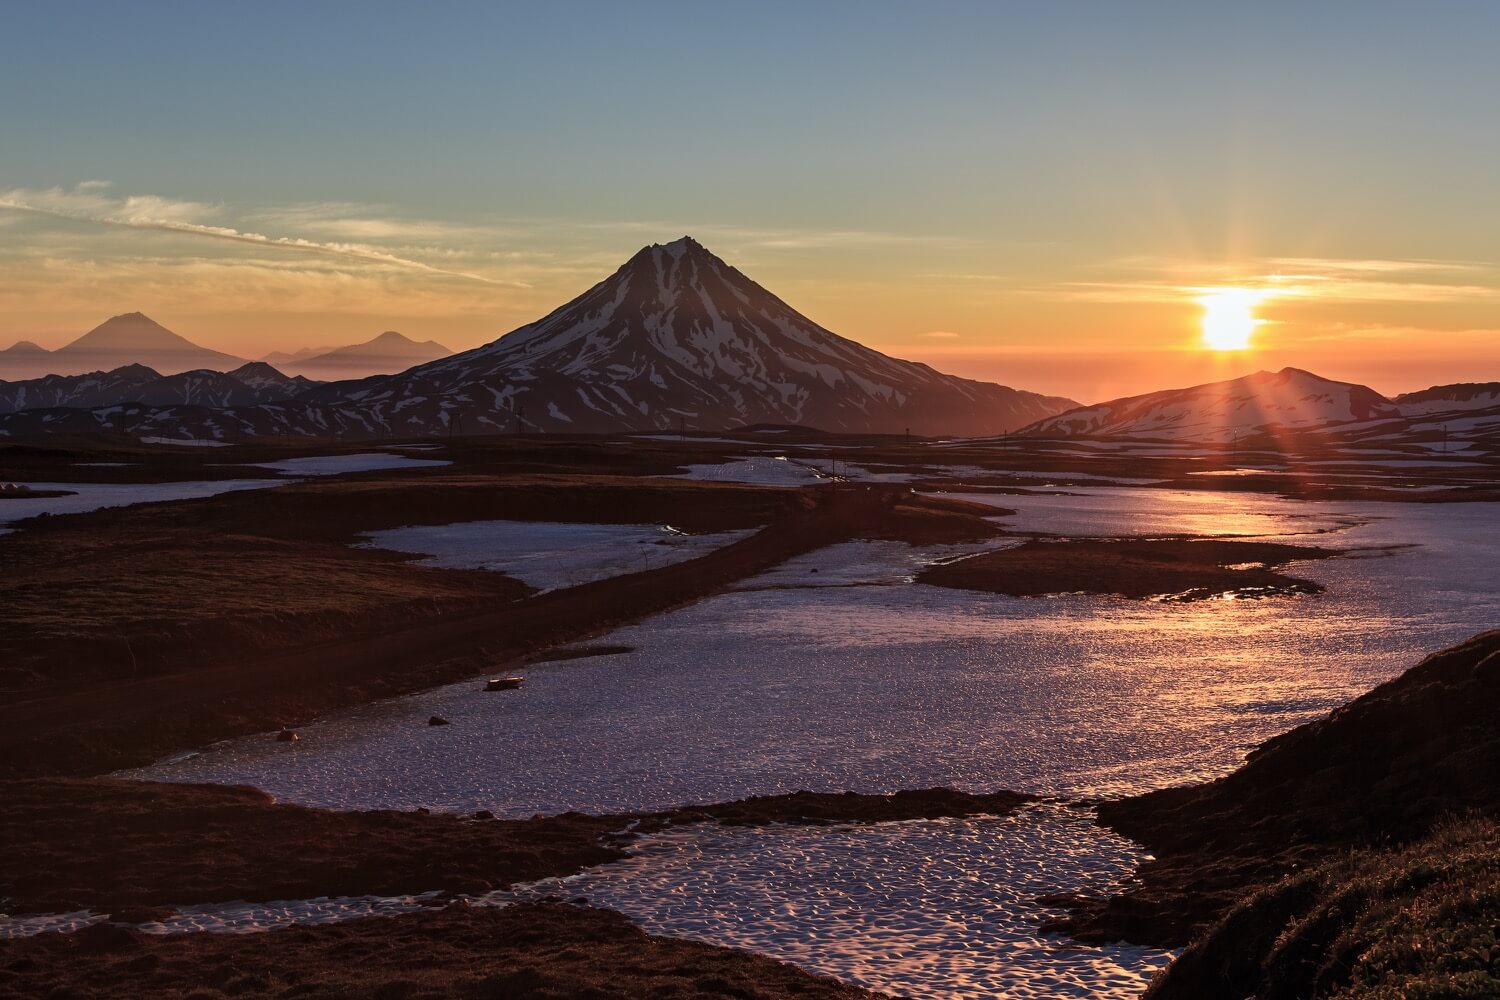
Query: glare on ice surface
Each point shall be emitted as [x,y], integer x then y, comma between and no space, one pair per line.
[852,677]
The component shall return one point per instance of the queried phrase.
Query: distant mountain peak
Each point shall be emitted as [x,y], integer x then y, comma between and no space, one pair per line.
[138,371]
[253,368]
[387,352]
[122,340]
[1223,411]
[391,339]
[129,330]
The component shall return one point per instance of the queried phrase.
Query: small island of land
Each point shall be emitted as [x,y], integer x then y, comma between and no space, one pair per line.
[1167,569]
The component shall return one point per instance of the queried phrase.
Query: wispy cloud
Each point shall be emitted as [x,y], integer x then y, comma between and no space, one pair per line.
[943,334]
[305,285]
[356,221]
[1315,278]
[189,218]
[1337,265]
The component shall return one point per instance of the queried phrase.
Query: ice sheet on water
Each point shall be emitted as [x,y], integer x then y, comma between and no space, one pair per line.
[863,563]
[852,679]
[187,442]
[942,908]
[94,496]
[25,925]
[979,472]
[334,465]
[932,909]
[781,686]
[237,917]
[548,555]
[761,470]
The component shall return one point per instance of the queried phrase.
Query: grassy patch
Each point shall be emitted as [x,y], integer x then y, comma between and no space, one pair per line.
[1414,923]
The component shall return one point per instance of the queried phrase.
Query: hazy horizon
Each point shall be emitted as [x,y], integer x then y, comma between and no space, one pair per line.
[1196,366]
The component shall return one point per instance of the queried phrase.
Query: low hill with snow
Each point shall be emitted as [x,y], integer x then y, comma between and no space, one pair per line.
[1290,399]
[1449,398]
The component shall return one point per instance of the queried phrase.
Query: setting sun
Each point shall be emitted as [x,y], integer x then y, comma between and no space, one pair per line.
[1229,318]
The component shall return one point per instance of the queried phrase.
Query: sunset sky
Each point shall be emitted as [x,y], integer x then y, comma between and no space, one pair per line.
[1038,194]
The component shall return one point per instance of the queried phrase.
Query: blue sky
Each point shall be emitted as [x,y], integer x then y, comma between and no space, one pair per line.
[895,170]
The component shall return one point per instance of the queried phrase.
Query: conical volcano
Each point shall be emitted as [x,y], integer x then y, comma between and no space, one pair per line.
[677,337]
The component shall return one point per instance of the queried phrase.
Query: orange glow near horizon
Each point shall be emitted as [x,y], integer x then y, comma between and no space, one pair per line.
[1229,318]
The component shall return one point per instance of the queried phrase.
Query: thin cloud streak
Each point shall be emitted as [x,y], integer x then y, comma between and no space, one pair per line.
[149,212]
[1309,278]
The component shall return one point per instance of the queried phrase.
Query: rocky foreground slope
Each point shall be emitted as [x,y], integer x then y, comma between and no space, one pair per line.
[1355,856]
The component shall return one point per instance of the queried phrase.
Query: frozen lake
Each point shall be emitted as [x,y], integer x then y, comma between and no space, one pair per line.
[852,677]
[96,496]
[547,555]
[761,470]
[939,910]
[335,465]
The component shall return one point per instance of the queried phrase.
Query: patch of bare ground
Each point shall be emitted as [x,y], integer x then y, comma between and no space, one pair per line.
[536,951]
[107,845]
[1175,569]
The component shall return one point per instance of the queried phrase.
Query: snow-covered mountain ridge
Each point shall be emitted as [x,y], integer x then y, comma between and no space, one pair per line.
[1263,403]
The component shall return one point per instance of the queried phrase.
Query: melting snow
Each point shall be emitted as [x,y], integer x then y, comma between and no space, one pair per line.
[548,555]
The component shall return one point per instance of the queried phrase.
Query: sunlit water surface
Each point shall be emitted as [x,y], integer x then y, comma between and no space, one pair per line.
[835,672]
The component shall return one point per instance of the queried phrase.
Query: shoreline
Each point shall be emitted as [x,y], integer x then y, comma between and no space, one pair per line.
[110,845]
